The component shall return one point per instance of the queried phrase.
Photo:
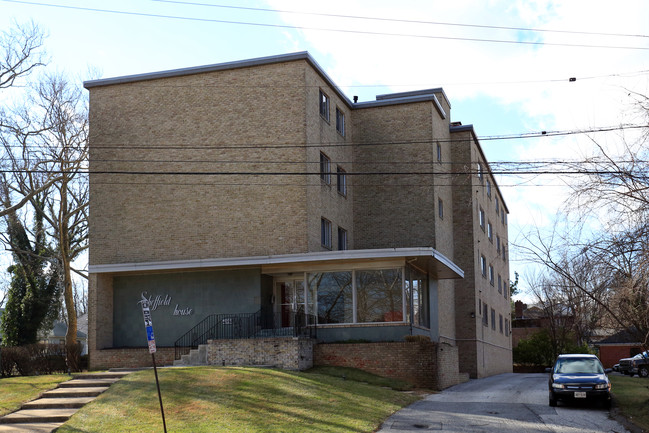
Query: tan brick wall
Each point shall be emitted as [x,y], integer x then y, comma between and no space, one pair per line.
[484,350]
[392,211]
[286,353]
[423,364]
[323,200]
[130,358]
[214,122]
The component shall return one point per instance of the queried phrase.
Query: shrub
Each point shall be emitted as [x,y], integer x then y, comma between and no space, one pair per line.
[34,359]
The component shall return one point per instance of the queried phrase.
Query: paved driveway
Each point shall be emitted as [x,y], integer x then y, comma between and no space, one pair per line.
[499,404]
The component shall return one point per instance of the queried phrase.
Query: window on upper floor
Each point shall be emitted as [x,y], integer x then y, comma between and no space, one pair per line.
[490,231]
[481,218]
[439,152]
[485,315]
[493,319]
[440,208]
[507,327]
[325,168]
[325,233]
[497,207]
[502,217]
[483,266]
[500,316]
[340,122]
[324,105]
[480,172]
[341,177]
[488,188]
[342,238]
[491,275]
[500,284]
[498,244]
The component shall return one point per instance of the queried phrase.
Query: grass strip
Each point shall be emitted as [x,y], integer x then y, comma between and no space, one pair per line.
[631,396]
[229,399]
[14,391]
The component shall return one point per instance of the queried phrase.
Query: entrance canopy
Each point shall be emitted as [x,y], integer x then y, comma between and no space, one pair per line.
[438,266]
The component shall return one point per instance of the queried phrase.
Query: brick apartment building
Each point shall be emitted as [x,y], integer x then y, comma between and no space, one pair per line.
[258,186]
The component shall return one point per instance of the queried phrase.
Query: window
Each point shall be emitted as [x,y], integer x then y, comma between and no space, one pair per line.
[324,106]
[500,284]
[341,177]
[485,314]
[481,216]
[342,238]
[500,317]
[417,302]
[505,219]
[507,327]
[490,232]
[480,174]
[440,208]
[325,233]
[439,152]
[504,253]
[505,289]
[502,217]
[483,266]
[493,319]
[379,296]
[498,244]
[325,168]
[491,275]
[497,207]
[488,188]
[335,296]
[340,122]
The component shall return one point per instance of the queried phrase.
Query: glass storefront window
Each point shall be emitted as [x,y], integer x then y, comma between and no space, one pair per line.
[417,299]
[335,296]
[379,296]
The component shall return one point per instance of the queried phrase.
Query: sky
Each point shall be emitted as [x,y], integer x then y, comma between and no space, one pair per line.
[505,65]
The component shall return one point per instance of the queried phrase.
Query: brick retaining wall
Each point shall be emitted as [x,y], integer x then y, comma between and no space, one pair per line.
[423,364]
[129,358]
[286,353]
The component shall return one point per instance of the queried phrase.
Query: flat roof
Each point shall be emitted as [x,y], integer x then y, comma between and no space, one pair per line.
[381,100]
[437,263]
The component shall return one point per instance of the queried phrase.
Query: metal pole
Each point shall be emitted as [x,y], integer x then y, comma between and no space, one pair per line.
[157,383]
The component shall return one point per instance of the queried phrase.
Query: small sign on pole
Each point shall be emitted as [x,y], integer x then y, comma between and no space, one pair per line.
[148,325]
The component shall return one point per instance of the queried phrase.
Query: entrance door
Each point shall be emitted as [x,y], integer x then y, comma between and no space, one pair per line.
[289,295]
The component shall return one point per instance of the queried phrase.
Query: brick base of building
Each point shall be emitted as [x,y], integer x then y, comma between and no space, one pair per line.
[286,353]
[138,357]
[423,364]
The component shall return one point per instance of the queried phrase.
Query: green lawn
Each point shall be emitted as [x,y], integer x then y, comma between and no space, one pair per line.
[230,399]
[16,390]
[632,398]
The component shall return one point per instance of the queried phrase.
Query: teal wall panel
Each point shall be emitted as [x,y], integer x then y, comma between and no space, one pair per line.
[179,301]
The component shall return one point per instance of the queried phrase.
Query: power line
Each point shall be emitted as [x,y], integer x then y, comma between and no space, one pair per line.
[438,23]
[259,145]
[348,31]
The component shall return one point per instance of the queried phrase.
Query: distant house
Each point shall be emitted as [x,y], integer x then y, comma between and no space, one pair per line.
[528,320]
[57,334]
[620,345]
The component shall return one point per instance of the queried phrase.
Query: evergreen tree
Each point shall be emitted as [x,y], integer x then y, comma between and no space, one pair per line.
[34,292]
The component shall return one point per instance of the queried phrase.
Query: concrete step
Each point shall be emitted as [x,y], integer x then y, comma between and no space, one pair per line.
[38,416]
[117,374]
[87,383]
[74,392]
[58,403]
[44,427]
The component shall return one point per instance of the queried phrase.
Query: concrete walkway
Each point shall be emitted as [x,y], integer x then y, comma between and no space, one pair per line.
[55,407]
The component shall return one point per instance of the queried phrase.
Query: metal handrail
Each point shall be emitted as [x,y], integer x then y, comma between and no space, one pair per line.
[261,324]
